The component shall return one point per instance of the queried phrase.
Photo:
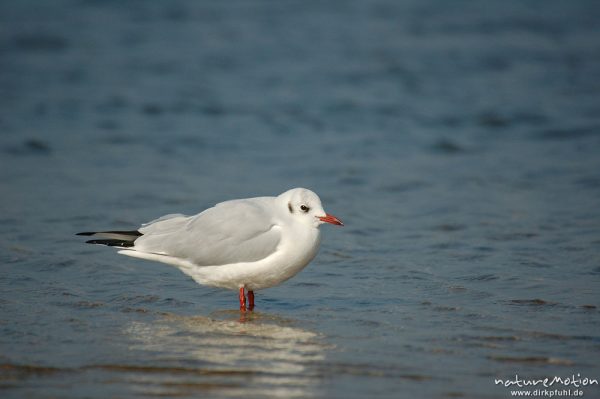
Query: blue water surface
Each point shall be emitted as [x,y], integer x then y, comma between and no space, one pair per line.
[458,141]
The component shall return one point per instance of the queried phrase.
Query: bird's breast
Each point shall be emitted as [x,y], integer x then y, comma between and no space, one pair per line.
[298,248]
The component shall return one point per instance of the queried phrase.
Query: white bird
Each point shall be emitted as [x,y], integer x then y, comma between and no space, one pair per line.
[244,244]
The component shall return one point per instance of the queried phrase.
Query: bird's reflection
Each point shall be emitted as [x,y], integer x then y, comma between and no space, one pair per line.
[231,354]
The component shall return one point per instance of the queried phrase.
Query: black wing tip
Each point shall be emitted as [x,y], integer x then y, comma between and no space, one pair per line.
[134,233]
[125,232]
[111,243]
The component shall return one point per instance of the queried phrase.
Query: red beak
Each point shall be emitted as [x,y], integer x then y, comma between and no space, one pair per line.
[330,219]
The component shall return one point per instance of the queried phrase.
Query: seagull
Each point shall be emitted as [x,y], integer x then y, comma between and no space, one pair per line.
[242,244]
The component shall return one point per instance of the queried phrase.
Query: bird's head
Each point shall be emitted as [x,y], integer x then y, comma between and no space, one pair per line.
[305,206]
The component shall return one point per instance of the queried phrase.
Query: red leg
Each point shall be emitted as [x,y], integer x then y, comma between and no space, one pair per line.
[251,300]
[242,300]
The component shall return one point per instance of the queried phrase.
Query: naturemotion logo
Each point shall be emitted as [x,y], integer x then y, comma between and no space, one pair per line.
[573,382]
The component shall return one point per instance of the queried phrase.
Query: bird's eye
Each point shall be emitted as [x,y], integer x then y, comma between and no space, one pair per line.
[304,208]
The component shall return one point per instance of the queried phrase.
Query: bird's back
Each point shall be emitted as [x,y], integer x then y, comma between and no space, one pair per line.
[230,232]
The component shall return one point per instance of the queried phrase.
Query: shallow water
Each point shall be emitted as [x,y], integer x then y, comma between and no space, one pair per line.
[458,142]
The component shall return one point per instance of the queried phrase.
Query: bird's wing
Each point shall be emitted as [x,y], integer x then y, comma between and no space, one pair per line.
[164,224]
[230,232]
